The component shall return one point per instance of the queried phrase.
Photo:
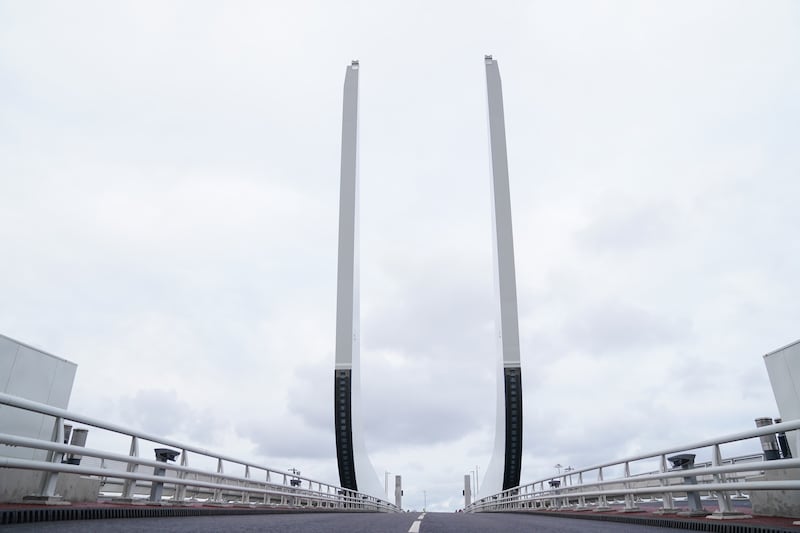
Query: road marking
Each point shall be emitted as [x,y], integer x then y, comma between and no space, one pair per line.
[415,526]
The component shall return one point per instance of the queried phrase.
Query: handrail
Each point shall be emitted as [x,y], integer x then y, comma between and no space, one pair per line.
[29,464]
[220,481]
[30,405]
[535,493]
[27,442]
[733,437]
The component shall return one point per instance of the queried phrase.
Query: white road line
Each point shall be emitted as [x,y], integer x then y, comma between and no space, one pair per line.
[415,526]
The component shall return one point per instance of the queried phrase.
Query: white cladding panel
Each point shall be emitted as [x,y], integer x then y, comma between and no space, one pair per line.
[347,286]
[36,375]
[505,284]
[505,275]
[783,368]
[347,289]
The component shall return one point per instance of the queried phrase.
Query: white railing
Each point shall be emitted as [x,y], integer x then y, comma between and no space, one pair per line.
[592,488]
[122,475]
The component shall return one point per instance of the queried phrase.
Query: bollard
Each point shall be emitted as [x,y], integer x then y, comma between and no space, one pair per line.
[162,456]
[768,442]
[685,461]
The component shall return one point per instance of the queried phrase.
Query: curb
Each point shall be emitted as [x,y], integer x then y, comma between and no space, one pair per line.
[678,523]
[51,514]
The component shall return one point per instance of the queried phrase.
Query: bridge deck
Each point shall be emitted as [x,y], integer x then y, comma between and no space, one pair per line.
[198,517]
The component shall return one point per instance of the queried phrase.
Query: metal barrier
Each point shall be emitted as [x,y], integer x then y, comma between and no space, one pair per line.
[120,473]
[591,488]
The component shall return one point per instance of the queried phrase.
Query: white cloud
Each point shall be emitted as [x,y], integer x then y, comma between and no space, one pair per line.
[168,211]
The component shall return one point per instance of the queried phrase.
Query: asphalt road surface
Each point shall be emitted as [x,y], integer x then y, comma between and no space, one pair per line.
[345,523]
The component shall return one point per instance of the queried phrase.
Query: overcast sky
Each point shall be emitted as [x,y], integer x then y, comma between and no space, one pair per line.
[169,181]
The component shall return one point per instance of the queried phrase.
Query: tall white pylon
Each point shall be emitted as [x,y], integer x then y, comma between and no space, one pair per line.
[355,469]
[504,468]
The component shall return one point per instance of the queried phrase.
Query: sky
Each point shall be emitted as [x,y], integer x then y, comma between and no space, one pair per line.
[169,181]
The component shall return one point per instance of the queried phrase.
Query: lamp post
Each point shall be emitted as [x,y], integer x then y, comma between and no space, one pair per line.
[559,467]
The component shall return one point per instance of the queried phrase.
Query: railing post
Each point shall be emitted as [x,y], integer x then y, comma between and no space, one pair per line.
[723,498]
[581,498]
[537,499]
[602,502]
[668,506]
[47,491]
[246,492]
[630,503]
[180,491]
[129,486]
[217,497]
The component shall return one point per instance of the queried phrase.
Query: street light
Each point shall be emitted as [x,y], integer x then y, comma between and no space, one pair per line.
[559,467]
[425,500]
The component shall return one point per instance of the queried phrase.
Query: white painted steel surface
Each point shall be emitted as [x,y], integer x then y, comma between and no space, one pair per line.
[507,321]
[259,484]
[503,241]
[589,488]
[783,368]
[347,290]
[34,374]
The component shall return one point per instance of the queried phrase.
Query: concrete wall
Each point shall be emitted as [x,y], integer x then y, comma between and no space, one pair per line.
[776,502]
[16,484]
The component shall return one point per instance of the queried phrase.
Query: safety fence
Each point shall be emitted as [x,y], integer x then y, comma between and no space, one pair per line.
[666,477]
[129,477]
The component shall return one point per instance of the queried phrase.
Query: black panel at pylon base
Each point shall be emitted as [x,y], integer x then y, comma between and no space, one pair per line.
[344,429]
[513,452]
